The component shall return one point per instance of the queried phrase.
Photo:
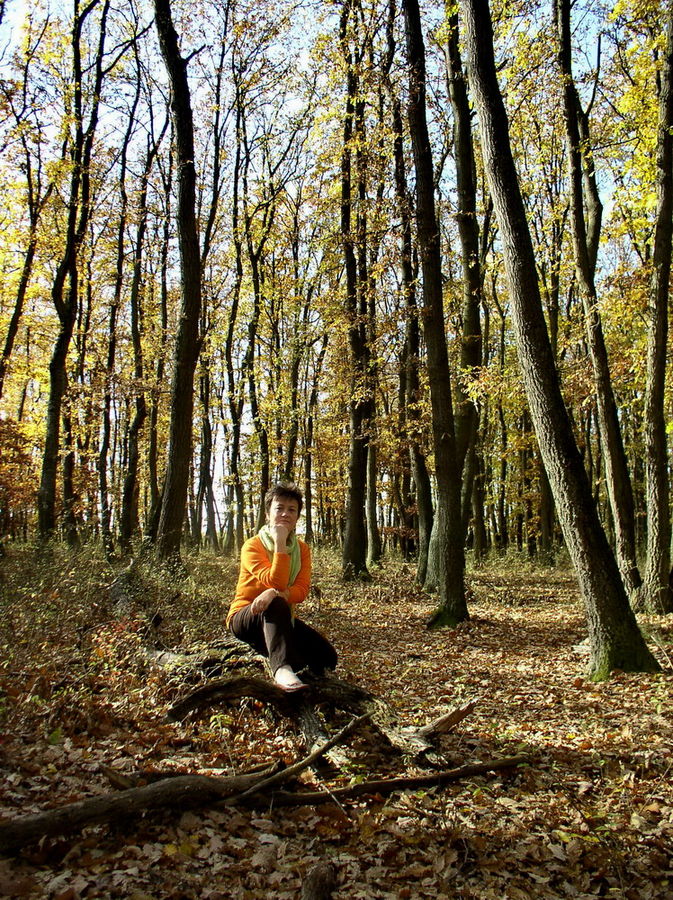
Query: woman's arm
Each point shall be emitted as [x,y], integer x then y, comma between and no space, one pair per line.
[268,572]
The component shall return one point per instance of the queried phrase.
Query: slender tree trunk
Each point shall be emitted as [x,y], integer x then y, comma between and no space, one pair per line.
[129,518]
[374,545]
[478,505]
[205,495]
[174,498]
[657,591]
[65,299]
[152,525]
[447,534]
[13,328]
[250,369]
[233,381]
[585,238]
[308,446]
[37,199]
[616,641]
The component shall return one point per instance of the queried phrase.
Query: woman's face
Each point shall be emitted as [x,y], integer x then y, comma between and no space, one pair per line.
[283,511]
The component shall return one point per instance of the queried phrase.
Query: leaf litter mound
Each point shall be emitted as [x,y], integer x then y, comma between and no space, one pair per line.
[81,705]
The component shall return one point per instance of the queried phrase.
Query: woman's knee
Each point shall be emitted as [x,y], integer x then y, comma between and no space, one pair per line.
[279,608]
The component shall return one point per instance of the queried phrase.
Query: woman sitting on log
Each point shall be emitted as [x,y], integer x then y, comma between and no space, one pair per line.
[274,577]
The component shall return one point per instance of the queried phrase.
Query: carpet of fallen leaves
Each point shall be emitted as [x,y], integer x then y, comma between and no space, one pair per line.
[590,816]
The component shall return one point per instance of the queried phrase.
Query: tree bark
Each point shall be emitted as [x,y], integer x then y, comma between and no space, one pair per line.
[616,641]
[187,344]
[234,394]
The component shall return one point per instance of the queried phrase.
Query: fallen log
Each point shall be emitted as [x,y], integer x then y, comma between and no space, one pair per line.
[329,689]
[189,791]
[331,693]
[181,791]
[225,689]
[225,654]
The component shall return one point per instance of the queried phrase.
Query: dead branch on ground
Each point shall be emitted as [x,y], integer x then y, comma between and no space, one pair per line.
[189,791]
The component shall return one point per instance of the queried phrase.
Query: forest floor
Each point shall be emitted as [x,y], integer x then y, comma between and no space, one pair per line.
[591,815]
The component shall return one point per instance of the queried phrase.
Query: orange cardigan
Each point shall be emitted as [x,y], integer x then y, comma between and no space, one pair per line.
[260,571]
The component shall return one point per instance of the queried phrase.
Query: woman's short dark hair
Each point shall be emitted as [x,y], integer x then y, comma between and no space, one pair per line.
[283,489]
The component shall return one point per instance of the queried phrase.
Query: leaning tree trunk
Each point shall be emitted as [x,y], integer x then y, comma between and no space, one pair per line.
[174,497]
[585,239]
[657,592]
[446,544]
[616,641]
[37,196]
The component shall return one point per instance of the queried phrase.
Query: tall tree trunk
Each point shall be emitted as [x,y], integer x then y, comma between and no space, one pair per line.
[657,591]
[374,545]
[250,369]
[616,641]
[152,524]
[354,550]
[129,520]
[174,498]
[502,529]
[447,534]
[24,280]
[106,513]
[467,417]
[584,195]
[234,393]
[412,350]
[479,544]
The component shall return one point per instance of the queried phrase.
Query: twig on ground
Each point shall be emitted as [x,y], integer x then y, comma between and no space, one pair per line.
[386,786]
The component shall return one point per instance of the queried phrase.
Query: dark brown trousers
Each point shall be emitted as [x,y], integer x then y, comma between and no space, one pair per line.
[284,640]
